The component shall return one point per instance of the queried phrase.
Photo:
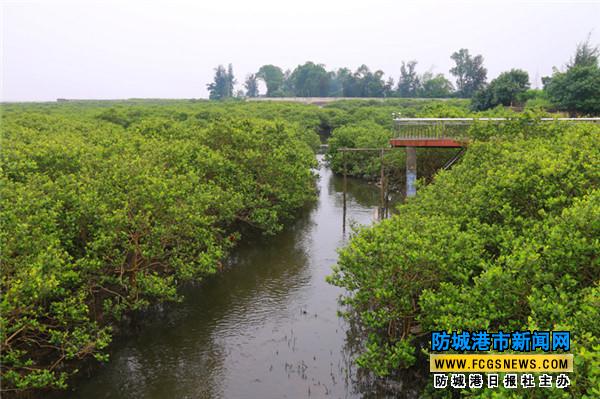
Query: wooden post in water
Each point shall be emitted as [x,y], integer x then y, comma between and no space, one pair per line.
[345,189]
[411,171]
[382,190]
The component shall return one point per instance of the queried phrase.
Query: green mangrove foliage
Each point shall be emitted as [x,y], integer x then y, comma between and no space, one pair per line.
[507,239]
[106,211]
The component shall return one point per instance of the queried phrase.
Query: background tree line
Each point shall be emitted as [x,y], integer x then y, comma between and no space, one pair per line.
[314,80]
[575,90]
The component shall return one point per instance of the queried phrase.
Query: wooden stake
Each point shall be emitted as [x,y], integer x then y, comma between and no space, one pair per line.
[345,189]
[382,190]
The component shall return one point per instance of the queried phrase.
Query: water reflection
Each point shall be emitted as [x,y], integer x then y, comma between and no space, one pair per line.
[267,327]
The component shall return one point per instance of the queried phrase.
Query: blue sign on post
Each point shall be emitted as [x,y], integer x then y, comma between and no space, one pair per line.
[411,188]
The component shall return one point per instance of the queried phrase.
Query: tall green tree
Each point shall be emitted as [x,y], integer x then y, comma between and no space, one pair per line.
[347,81]
[585,55]
[409,82]
[310,80]
[222,85]
[367,83]
[335,85]
[230,80]
[251,85]
[437,86]
[388,89]
[577,90]
[273,77]
[504,90]
[509,85]
[286,88]
[469,71]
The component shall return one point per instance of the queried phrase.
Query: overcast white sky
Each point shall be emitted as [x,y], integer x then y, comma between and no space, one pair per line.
[168,49]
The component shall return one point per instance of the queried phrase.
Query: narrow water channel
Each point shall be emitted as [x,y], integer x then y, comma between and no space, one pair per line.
[267,327]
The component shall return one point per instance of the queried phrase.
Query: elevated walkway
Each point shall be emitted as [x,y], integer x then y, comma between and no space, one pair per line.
[449,132]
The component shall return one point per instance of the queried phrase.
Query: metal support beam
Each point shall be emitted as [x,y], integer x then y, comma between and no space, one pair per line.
[411,171]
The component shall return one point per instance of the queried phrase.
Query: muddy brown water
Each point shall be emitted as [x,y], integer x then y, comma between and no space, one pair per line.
[266,327]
